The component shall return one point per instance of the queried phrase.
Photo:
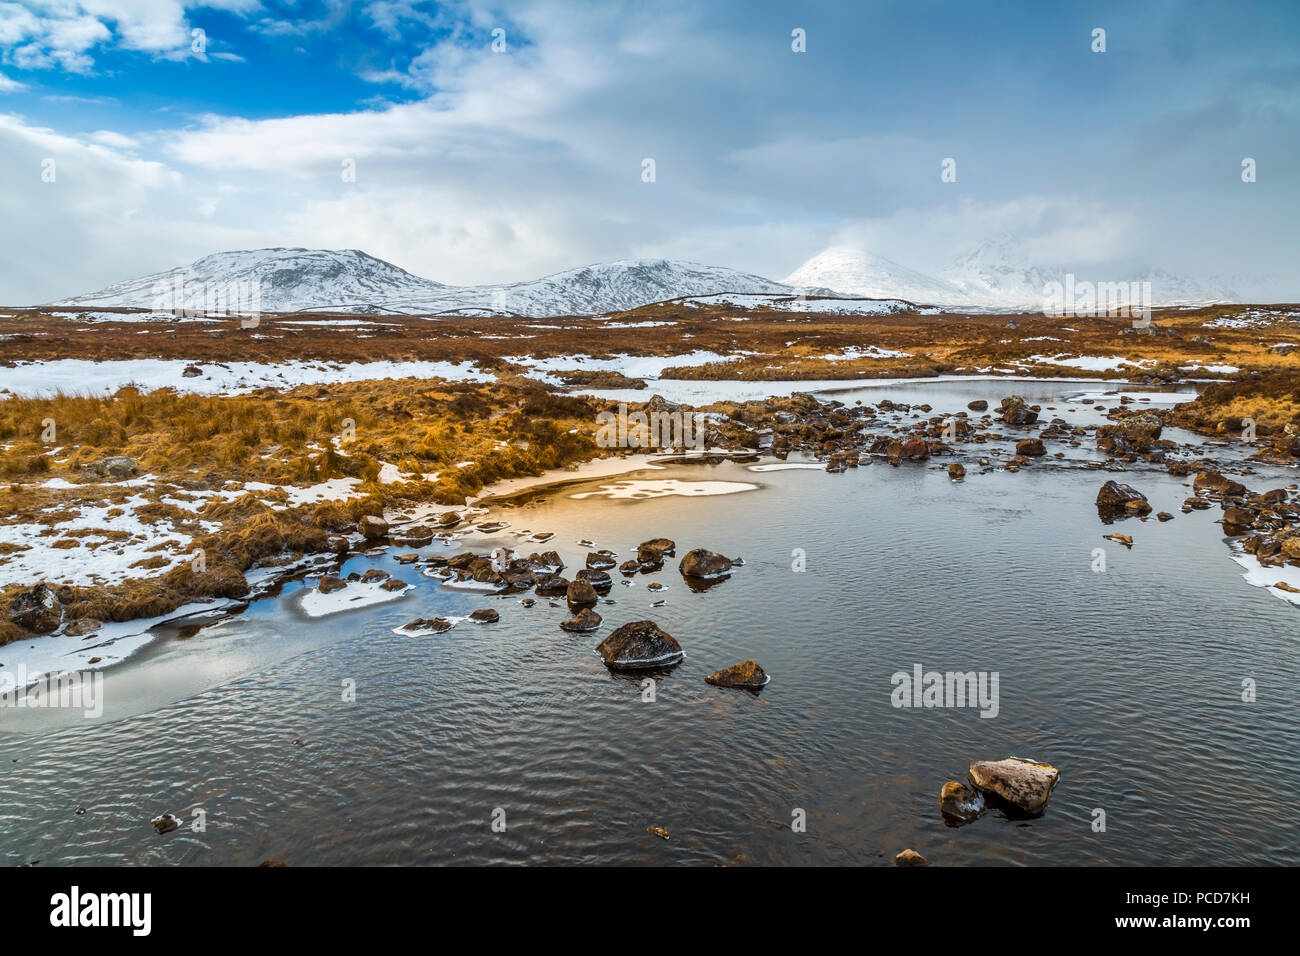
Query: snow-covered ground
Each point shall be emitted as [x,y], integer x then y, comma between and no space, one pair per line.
[633,366]
[1090,363]
[82,377]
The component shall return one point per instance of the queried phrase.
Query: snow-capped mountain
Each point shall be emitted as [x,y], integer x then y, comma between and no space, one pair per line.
[297,280]
[852,272]
[595,290]
[281,280]
[993,274]
[997,273]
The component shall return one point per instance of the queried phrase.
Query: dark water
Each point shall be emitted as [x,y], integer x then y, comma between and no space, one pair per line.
[1129,681]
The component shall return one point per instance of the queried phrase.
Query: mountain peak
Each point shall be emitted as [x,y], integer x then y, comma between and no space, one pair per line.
[852,271]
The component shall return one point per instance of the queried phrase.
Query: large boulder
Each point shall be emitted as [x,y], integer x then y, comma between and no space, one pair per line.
[1024,784]
[747,675]
[1114,498]
[1016,411]
[38,609]
[638,645]
[701,563]
[1142,427]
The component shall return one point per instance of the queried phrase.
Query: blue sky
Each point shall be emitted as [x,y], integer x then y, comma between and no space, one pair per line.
[475,165]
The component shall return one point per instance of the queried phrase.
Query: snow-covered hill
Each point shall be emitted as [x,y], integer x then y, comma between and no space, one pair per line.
[851,272]
[287,280]
[296,280]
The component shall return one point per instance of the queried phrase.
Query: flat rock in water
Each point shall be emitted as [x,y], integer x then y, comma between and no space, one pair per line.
[1024,784]
[638,645]
[746,674]
[485,615]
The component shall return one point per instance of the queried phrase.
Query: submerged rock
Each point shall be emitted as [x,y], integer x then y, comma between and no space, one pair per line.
[1217,484]
[585,620]
[747,675]
[701,563]
[1024,784]
[434,625]
[638,645]
[959,803]
[165,823]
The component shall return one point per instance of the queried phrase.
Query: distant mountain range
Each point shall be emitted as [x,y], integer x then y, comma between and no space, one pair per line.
[348,280]
[991,276]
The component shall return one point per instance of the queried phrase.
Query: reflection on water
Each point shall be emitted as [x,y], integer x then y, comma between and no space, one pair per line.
[1129,681]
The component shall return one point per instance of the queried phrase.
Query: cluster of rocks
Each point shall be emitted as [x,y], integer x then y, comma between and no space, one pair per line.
[644,645]
[849,436]
[1017,786]
[328,584]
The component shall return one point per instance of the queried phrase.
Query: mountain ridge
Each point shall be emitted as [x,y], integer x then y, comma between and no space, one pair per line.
[349,280]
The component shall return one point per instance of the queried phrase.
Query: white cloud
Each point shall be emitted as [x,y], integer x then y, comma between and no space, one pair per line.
[50,34]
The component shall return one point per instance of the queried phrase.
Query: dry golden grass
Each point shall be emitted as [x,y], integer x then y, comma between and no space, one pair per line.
[302,437]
